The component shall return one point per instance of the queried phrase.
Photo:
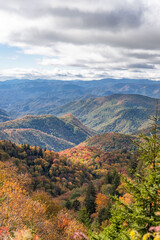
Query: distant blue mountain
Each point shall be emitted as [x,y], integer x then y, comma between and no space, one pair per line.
[21,97]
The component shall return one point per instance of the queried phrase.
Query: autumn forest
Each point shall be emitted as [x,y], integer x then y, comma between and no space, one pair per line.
[91,171]
[87,192]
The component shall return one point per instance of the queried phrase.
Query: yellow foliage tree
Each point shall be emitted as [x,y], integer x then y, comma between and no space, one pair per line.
[101,201]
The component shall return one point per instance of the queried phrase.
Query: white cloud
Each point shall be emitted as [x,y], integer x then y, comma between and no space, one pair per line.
[84,38]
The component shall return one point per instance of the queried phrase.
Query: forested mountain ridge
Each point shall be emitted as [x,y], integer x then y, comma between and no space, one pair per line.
[123,113]
[46,131]
[37,97]
[35,137]
[103,151]
[110,142]
[71,119]
[115,113]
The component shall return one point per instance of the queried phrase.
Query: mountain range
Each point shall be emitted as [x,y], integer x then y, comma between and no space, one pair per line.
[123,113]
[37,97]
[62,114]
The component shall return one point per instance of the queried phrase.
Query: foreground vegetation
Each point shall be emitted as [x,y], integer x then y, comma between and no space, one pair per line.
[82,193]
[137,213]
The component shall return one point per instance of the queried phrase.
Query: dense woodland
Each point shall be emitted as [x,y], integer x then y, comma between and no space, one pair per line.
[80,193]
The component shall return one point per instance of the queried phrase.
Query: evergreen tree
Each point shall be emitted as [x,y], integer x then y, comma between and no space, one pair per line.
[113,179]
[68,204]
[40,153]
[76,205]
[104,213]
[35,153]
[90,198]
[84,217]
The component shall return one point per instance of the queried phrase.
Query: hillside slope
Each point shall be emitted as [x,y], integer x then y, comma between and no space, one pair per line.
[4,116]
[110,142]
[35,137]
[115,113]
[46,131]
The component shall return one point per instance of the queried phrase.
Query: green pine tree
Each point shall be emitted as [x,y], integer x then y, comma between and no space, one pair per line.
[90,198]
[144,211]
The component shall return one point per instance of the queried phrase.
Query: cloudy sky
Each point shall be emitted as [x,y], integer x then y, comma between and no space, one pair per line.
[79,39]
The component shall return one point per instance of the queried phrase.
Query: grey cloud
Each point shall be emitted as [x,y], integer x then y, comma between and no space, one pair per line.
[144,55]
[121,27]
[142,40]
[46,37]
[130,16]
[79,76]
[132,40]
[119,18]
[141,65]
[116,19]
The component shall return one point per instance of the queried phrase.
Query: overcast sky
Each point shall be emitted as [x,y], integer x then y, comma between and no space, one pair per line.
[79,39]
